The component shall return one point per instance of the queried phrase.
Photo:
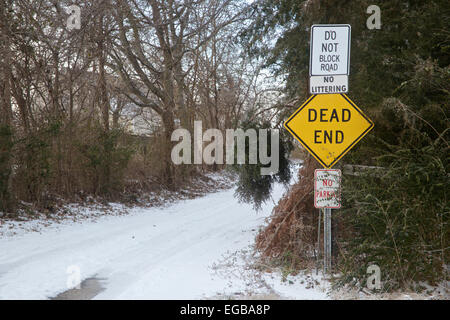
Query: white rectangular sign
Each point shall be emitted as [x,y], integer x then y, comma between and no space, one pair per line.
[328,84]
[327,188]
[330,50]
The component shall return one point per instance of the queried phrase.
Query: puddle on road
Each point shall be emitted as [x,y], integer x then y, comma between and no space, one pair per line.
[89,288]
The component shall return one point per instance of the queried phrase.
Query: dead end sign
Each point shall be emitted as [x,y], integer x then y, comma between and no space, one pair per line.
[327,188]
[328,126]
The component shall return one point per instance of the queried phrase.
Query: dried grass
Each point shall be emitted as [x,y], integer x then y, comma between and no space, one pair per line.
[291,234]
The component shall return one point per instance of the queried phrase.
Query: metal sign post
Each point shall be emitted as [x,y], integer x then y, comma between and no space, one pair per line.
[327,195]
[327,240]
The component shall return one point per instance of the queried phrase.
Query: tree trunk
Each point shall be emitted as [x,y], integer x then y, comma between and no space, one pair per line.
[6,130]
[104,107]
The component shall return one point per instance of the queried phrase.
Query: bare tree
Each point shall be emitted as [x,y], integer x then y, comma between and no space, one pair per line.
[154,39]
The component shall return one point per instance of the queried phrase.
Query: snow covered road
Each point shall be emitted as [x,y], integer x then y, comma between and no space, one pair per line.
[155,253]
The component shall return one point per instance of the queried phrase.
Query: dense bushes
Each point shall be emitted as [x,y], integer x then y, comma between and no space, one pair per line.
[60,161]
[398,217]
[104,160]
[32,160]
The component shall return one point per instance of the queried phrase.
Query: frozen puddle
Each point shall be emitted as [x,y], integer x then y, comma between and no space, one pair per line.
[89,288]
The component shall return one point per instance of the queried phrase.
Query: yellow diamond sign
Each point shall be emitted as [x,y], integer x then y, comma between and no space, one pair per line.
[328,126]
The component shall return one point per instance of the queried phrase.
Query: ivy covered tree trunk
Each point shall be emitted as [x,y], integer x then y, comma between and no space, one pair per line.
[6,141]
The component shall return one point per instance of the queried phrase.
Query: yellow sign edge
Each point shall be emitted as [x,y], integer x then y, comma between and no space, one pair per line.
[371,125]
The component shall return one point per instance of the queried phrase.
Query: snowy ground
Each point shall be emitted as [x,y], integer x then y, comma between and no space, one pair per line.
[193,249]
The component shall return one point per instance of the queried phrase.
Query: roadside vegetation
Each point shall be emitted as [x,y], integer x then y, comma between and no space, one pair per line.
[396,217]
